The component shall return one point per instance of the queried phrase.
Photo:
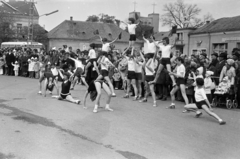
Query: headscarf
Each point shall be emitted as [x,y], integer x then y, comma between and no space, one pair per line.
[230,62]
[210,73]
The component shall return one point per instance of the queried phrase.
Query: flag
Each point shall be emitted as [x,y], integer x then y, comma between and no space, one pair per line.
[96,32]
[136,16]
[151,31]
[120,36]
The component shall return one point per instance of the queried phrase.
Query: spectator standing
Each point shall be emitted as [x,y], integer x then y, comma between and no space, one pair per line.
[219,66]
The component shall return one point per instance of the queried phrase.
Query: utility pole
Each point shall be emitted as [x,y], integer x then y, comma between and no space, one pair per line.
[31,21]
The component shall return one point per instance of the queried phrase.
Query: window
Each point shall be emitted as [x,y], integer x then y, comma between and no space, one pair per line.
[238,45]
[220,47]
[199,51]
[180,36]
[19,28]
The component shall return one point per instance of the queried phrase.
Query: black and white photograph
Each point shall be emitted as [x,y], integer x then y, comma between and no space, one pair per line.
[119,79]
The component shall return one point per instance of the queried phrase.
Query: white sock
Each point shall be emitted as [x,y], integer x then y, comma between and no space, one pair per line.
[107,105]
[220,120]
[96,106]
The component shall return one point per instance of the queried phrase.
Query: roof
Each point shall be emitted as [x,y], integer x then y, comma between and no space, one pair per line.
[21,6]
[220,25]
[80,30]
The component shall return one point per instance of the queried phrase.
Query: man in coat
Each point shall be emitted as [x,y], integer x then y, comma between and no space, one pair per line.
[222,60]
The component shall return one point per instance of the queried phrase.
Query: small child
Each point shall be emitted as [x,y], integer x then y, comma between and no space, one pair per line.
[208,84]
[37,68]
[30,67]
[116,78]
[202,102]
[16,68]
[1,65]
[224,86]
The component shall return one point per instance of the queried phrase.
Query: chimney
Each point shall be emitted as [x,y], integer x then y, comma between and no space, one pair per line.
[207,22]
[71,18]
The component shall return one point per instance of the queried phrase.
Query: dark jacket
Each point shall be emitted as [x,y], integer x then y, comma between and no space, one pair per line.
[219,67]
[10,58]
[212,66]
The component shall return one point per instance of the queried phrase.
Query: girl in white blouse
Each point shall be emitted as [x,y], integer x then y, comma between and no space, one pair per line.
[150,67]
[180,76]
[131,75]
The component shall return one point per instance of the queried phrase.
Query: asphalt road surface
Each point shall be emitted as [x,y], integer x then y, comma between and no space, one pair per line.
[37,127]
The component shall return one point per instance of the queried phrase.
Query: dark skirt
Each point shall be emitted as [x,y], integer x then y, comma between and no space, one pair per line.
[131,75]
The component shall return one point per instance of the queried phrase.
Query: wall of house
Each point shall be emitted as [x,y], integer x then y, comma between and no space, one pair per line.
[19,19]
[183,40]
[226,40]
[84,45]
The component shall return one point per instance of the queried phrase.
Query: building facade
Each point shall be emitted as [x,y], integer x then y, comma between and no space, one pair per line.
[21,13]
[221,35]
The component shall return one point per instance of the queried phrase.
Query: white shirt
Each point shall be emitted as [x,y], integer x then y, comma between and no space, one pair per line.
[153,65]
[166,50]
[207,85]
[31,65]
[181,70]
[78,64]
[16,67]
[138,67]
[132,28]
[131,65]
[106,63]
[151,47]
[200,94]
[106,47]
[92,54]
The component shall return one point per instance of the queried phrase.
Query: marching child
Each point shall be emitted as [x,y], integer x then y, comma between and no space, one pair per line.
[202,102]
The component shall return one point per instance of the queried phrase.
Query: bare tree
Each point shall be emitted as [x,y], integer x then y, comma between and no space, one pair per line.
[183,15]
[7,31]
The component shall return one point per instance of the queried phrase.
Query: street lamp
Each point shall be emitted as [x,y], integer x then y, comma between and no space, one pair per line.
[47,14]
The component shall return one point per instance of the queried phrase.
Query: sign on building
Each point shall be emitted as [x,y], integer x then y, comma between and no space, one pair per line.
[231,39]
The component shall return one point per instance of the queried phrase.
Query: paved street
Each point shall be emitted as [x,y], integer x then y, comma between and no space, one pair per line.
[37,127]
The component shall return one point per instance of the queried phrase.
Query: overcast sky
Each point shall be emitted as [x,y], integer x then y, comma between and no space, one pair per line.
[81,9]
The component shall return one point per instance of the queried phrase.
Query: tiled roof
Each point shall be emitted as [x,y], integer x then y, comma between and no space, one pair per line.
[220,25]
[21,6]
[81,30]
